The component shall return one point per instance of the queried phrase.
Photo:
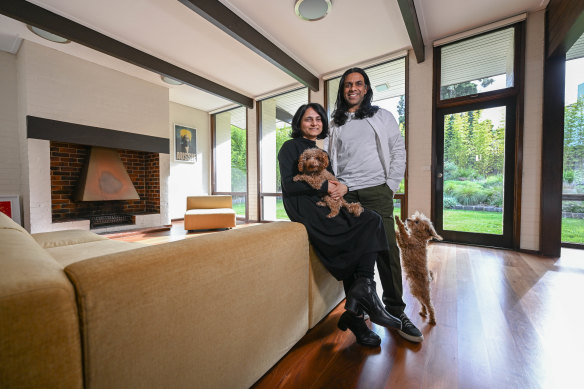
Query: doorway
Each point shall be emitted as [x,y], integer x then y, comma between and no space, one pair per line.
[474,184]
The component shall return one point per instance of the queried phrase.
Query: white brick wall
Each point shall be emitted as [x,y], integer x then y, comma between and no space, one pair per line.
[57,86]
[9,156]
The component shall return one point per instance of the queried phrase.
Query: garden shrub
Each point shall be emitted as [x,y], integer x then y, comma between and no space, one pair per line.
[573,206]
[450,171]
[449,187]
[467,174]
[569,176]
[496,180]
[449,202]
[471,194]
[495,197]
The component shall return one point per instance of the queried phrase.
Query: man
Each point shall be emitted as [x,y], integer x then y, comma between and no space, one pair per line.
[368,156]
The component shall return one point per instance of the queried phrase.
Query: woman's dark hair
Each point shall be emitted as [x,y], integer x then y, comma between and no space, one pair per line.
[366,110]
[297,120]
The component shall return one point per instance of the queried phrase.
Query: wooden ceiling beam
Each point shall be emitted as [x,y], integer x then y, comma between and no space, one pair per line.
[226,20]
[36,16]
[565,24]
[410,17]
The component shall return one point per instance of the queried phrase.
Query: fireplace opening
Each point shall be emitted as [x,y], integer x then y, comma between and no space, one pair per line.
[67,164]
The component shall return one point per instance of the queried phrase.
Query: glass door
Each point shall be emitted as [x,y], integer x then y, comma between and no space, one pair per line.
[573,174]
[475,173]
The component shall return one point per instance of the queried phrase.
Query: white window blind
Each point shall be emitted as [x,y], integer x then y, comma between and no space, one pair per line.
[486,56]
[577,50]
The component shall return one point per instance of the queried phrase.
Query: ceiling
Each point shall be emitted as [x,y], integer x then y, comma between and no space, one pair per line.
[353,32]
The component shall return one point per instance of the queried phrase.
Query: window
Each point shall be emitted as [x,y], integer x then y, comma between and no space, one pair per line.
[230,157]
[477,65]
[276,115]
[389,92]
[476,133]
[573,177]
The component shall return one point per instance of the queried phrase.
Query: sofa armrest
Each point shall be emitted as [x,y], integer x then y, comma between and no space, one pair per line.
[215,311]
[40,339]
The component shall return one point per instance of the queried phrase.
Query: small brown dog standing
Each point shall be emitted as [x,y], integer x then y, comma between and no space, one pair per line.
[413,244]
[313,163]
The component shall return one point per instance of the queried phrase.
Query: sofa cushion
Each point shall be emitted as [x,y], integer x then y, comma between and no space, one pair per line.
[199,219]
[206,202]
[66,238]
[72,253]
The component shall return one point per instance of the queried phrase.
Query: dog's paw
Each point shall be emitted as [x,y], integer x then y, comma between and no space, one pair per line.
[321,203]
[296,178]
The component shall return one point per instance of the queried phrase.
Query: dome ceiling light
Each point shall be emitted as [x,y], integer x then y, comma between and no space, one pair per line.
[47,35]
[312,10]
[170,80]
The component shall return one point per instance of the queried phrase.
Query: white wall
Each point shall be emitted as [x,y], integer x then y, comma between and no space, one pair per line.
[420,132]
[66,88]
[532,131]
[9,158]
[188,178]
[58,86]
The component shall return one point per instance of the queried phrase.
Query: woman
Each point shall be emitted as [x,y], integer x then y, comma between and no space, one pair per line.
[346,245]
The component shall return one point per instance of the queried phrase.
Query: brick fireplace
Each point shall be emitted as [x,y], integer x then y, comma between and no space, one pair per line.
[67,162]
[57,152]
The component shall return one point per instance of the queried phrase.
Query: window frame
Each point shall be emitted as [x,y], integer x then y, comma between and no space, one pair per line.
[214,162]
[501,95]
[261,194]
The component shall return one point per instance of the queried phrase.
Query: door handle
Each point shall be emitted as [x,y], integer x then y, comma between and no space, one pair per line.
[439,175]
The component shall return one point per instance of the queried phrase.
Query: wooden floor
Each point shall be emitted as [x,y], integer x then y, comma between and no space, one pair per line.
[505,320]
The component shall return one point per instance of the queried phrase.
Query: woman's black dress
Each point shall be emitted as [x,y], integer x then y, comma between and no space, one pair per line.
[339,241]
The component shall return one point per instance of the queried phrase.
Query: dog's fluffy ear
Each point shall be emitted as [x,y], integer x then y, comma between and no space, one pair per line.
[324,159]
[301,161]
[431,231]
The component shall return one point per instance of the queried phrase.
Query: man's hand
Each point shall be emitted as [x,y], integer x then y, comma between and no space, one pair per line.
[337,190]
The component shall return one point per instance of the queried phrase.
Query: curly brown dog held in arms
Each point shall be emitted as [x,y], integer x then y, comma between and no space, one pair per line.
[413,245]
[313,163]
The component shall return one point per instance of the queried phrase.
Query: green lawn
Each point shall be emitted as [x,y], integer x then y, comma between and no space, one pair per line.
[469,221]
[473,221]
[573,230]
[239,209]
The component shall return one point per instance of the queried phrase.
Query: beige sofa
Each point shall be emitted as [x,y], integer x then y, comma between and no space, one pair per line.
[214,311]
[209,212]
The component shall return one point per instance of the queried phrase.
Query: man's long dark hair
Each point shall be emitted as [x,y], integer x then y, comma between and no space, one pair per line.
[366,110]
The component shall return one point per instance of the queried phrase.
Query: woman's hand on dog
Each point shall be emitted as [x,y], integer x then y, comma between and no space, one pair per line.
[337,190]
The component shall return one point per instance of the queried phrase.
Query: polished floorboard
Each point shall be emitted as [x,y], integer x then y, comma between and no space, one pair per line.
[504,320]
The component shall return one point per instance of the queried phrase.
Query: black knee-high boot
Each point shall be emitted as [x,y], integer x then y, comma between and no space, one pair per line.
[357,325]
[363,296]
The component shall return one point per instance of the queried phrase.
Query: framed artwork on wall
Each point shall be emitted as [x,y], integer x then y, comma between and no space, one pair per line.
[10,206]
[185,144]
